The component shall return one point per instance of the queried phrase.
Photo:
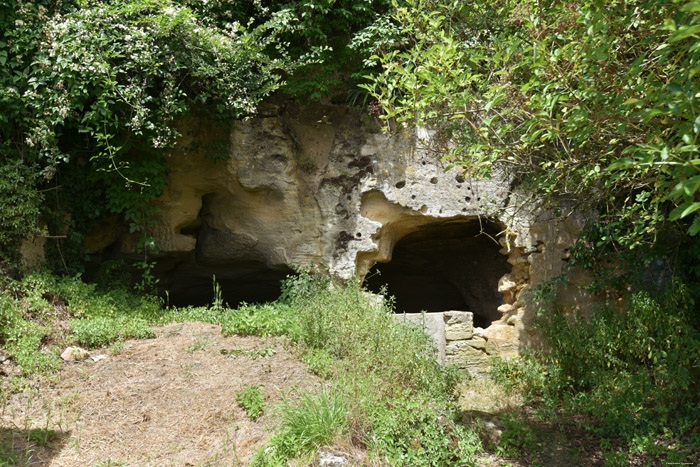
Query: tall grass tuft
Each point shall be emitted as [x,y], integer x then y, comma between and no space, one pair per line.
[389,395]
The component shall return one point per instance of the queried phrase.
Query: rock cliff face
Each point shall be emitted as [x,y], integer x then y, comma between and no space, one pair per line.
[323,186]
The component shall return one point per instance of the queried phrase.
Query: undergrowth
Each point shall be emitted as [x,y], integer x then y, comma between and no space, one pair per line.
[388,393]
[41,314]
[631,375]
[385,393]
[252,400]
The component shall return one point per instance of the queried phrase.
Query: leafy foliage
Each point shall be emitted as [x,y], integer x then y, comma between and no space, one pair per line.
[252,401]
[94,87]
[633,373]
[91,91]
[20,203]
[587,101]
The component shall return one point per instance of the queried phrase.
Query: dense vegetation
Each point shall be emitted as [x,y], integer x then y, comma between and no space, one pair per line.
[594,105]
[589,104]
[589,101]
[386,392]
[90,91]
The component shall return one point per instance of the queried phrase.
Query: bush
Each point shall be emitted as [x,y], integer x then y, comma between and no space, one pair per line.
[389,394]
[633,373]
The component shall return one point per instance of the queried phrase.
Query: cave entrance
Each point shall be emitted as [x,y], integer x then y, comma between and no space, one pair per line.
[444,266]
[225,255]
[235,286]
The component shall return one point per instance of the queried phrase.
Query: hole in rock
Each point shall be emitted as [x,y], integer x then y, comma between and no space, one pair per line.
[445,266]
[243,271]
[192,281]
[250,283]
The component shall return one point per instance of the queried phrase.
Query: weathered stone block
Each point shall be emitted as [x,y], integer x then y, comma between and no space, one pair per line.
[477,343]
[459,325]
[465,356]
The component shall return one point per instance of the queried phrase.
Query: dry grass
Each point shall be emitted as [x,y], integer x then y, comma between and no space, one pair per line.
[163,401]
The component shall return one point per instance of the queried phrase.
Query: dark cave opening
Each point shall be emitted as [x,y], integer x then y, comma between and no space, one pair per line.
[229,260]
[252,283]
[445,266]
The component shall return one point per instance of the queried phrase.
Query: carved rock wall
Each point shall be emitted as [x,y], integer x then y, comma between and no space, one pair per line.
[321,185]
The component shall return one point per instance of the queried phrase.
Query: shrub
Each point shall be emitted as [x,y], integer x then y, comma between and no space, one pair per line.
[633,373]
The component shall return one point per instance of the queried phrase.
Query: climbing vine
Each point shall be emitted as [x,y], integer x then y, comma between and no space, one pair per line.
[91,91]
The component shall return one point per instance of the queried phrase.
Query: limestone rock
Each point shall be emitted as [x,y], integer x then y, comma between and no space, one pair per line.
[506,308]
[506,285]
[458,325]
[460,353]
[74,354]
[477,343]
[502,339]
[331,459]
[318,185]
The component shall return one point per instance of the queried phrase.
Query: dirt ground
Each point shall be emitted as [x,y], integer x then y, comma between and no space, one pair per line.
[171,401]
[167,401]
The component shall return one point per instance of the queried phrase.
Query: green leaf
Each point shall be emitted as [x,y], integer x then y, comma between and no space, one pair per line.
[684,210]
[686,187]
[691,7]
[621,164]
[684,32]
[695,226]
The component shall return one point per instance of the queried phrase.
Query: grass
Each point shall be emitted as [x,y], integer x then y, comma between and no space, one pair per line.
[628,379]
[311,422]
[386,394]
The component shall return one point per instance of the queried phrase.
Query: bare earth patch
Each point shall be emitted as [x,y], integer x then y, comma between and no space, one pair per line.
[159,402]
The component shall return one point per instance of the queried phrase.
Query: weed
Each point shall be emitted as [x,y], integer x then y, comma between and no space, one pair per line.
[518,438]
[117,347]
[312,421]
[199,344]
[111,463]
[252,401]
[250,353]
[42,436]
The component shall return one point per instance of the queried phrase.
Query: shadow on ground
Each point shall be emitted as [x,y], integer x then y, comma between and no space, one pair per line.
[520,438]
[32,447]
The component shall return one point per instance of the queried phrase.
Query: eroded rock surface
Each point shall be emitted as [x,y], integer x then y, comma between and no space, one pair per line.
[323,186]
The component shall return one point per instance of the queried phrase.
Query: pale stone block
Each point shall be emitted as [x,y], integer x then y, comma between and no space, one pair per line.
[506,308]
[459,325]
[477,343]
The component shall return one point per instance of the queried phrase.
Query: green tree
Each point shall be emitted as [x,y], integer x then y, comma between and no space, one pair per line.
[591,101]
